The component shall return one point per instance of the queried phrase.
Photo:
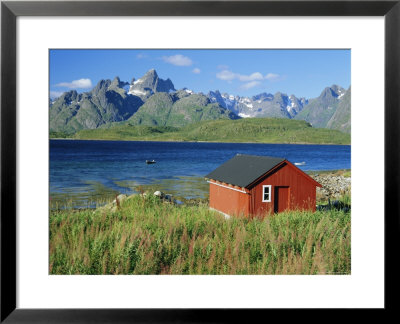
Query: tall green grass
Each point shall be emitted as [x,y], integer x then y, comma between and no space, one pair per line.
[148,236]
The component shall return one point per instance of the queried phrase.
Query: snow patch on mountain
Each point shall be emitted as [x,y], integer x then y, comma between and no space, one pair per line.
[137,92]
[291,105]
[244,115]
[228,103]
[261,105]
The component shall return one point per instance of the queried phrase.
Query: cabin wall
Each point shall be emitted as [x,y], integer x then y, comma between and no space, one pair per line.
[229,201]
[302,192]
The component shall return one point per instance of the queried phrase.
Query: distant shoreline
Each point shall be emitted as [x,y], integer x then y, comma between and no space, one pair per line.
[169,141]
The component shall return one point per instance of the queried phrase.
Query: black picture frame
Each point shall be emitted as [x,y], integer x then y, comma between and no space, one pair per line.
[10,10]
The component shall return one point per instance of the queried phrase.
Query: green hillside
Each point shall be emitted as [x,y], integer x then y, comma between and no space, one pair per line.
[257,130]
[105,104]
[163,109]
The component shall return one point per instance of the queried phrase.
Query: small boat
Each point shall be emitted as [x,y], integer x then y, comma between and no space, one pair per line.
[299,163]
[150,162]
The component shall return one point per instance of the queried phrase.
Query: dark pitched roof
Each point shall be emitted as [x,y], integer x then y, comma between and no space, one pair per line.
[243,169]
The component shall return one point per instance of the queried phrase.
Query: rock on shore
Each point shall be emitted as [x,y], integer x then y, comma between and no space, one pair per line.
[333,185]
[114,205]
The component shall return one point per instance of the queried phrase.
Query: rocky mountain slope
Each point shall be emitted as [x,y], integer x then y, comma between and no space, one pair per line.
[178,109]
[153,101]
[146,101]
[263,105]
[107,102]
[321,110]
[341,119]
[149,84]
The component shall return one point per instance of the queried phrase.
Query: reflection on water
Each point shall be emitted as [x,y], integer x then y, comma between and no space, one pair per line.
[95,194]
[180,187]
[90,195]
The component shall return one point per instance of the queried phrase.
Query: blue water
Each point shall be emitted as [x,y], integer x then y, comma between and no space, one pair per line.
[77,167]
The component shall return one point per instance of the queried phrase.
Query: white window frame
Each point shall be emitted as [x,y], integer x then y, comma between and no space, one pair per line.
[263,193]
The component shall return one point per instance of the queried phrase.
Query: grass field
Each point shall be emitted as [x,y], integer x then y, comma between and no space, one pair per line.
[255,130]
[148,236]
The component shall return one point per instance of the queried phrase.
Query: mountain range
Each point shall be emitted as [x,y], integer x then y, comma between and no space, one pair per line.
[152,101]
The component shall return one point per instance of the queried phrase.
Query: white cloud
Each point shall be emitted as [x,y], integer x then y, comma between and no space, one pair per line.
[196,70]
[76,84]
[250,85]
[228,75]
[251,77]
[178,60]
[272,76]
[55,94]
[141,56]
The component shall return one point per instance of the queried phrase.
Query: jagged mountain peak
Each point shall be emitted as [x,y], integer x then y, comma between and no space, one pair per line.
[102,84]
[68,97]
[336,88]
[321,111]
[149,84]
[280,95]
[150,74]
[327,93]
[117,83]
[115,100]
[152,71]
[263,96]
[106,103]
[69,94]
[215,92]
[333,91]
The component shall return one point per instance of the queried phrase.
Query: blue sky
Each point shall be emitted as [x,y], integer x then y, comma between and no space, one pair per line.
[304,73]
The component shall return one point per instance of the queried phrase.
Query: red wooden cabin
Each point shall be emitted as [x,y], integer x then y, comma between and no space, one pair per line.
[259,185]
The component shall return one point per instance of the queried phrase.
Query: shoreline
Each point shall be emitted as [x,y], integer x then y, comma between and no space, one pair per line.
[335,183]
[169,141]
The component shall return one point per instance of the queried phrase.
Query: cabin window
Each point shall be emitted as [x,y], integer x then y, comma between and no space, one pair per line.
[266,197]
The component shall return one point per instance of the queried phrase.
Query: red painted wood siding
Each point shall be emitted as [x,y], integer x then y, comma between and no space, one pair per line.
[301,190]
[281,199]
[229,201]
